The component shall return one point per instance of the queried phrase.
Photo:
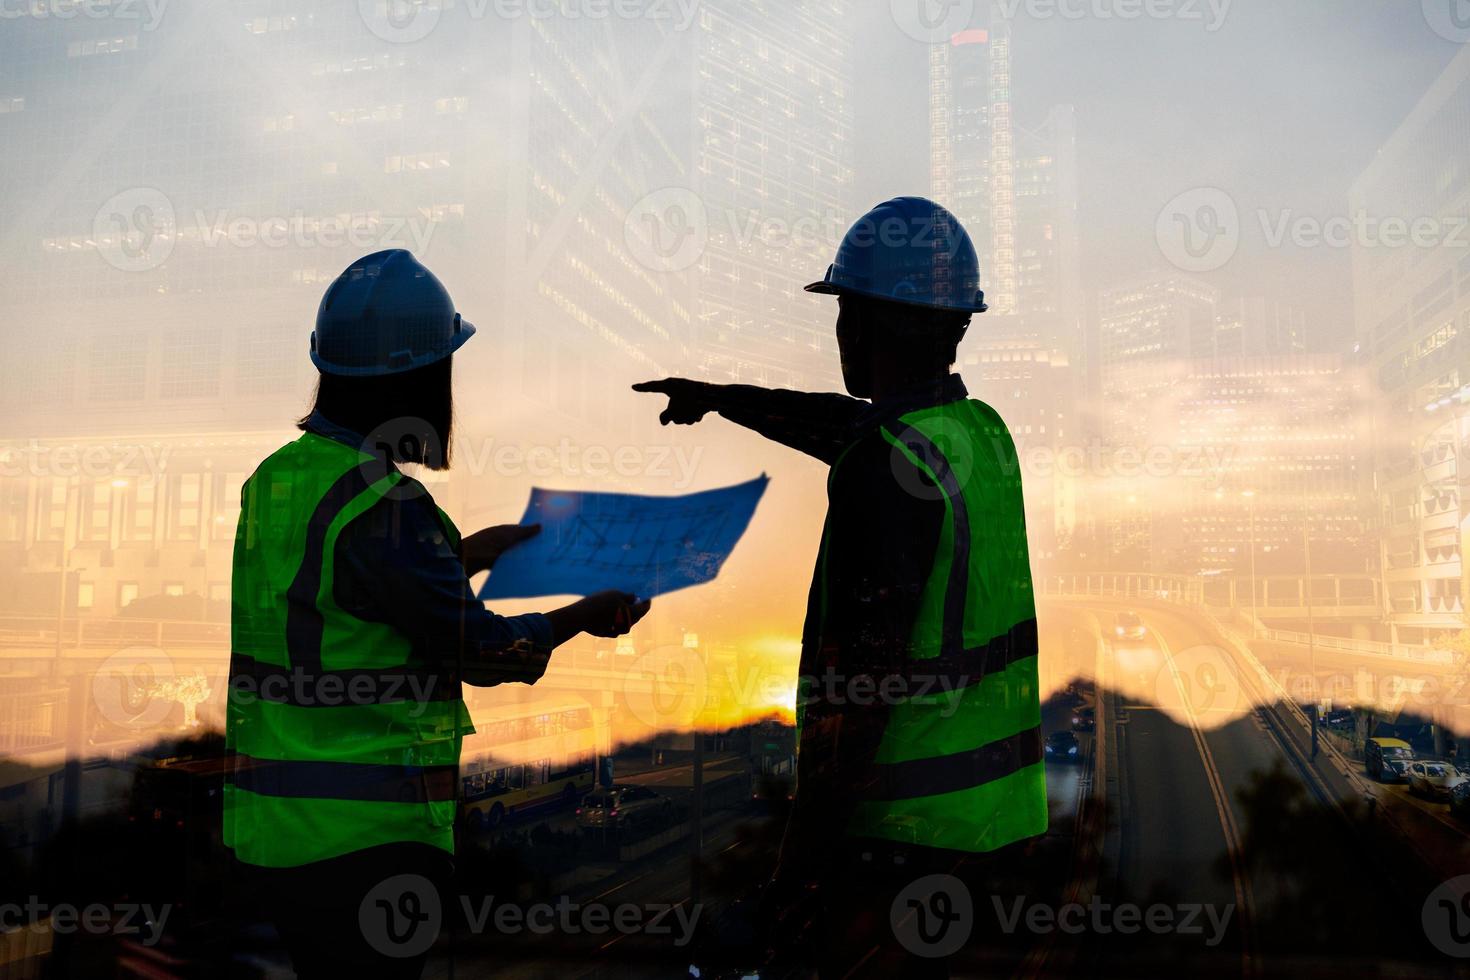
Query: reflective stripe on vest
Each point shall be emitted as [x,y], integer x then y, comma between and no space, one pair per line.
[960,765]
[342,737]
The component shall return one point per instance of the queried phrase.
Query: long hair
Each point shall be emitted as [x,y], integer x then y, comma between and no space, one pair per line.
[409,415]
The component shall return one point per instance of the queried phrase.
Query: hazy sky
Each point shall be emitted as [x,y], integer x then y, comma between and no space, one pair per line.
[1282,107]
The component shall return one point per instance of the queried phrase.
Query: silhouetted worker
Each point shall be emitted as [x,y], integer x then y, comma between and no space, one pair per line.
[918,715]
[353,628]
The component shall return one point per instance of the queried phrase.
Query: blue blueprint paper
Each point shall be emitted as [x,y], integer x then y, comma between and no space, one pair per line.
[644,545]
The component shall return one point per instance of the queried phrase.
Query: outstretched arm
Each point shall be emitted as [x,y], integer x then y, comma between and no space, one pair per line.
[815,423]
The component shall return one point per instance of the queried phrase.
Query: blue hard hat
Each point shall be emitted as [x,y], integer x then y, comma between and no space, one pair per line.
[908,250]
[385,314]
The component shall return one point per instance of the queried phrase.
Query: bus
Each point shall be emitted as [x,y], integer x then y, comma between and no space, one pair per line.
[525,758]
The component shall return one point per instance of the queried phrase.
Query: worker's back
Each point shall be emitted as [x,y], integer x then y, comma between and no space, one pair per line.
[343,738]
[958,765]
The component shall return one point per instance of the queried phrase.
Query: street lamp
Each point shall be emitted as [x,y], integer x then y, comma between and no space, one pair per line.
[1250,495]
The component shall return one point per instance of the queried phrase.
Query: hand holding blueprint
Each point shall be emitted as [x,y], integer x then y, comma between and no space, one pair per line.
[644,545]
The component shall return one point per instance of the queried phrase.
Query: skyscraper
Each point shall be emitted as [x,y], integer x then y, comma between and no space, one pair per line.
[1413,326]
[773,170]
[972,145]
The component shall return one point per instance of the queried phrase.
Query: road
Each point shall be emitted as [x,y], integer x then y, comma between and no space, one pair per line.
[1213,807]
[1212,844]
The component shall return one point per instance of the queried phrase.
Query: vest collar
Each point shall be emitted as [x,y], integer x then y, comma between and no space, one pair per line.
[926,395]
[318,424]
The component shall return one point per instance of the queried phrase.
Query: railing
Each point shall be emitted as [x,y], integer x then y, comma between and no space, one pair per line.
[1363,648]
[1190,592]
[40,631]
[32,720]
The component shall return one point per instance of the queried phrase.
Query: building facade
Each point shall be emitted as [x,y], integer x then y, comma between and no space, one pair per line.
[1412,305]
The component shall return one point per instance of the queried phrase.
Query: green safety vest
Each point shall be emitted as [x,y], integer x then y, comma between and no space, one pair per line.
[343,738]
[960,766]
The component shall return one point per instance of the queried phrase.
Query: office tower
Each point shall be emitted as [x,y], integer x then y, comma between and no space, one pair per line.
[1412,306]
[773,171]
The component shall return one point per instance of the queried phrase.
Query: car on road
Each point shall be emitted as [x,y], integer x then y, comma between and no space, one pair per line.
[1387,759]
[624,808]
[1084,720]
[1338,718]
[1460,800]
[1129,626]
[1433,779]
[1062,747]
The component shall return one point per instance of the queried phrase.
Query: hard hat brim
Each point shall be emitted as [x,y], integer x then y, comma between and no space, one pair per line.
[826,288]
[465,332]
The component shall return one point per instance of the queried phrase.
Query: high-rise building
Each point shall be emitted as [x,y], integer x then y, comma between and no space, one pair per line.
[1412,306]
[1033,387]
[1256,326]
[773,170]
[166,247]
[1149,328]
[972,147]
[1047,245]
[1146,325]
[1266,453]
[597,120]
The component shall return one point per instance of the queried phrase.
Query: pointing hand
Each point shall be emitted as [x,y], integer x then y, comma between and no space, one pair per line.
[688,400]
